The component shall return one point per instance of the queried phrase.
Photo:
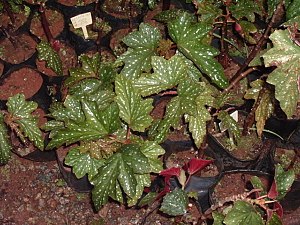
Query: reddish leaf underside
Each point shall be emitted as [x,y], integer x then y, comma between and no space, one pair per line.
[273,193]
[194,165]
[174,171]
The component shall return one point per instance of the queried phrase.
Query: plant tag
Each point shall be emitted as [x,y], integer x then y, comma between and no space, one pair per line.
[81,21]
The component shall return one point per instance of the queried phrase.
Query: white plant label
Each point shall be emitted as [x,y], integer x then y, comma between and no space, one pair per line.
[81,21]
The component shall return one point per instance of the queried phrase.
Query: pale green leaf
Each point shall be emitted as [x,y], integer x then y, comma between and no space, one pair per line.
[266,106]
[167,74]
[257,184]
[188,35]
[134,110]
[197,124]
[243,213]
[286,56]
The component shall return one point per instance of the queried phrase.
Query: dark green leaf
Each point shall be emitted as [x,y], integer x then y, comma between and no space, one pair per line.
[245,8]
[5,147]
[91,124]
[27,123]
[133,156]
[284,180]
[175,203]
[83,163]
[148,199]
[168,15]
[257,184]
[293,9]
[172,117]
[133,109]
[209,10]
[229,123]
[48,54]
[105,181]
[275,220]
[218,218]
[152,150]
[92,67]
[188,36]
[142,46]
[243,213]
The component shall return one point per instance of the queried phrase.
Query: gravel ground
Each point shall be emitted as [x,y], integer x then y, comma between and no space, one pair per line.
[35,193]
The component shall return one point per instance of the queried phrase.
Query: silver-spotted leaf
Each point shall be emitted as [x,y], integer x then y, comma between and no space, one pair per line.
[21,112]
[293,9]
[142,46]
[92,67]
[229,123]
[274,220]
[209,10]
[48,54]
[246,8]
[243,213]
[152,150]
[133,156]
[286,56]
[5,146]
[143,180]
[283,180]
[82,163]
[92,124]
[218,218]
[188,36]
[197,124]
[257,184]
[160,129]
[134,110]
[167,74]
[175,203]
[105,181]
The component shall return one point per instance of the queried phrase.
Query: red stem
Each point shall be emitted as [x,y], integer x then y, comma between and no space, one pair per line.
[45,24]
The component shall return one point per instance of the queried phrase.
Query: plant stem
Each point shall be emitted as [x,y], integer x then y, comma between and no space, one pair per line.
[128,133]
[228,41]
[240,77]
[260,43]
[45,23]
